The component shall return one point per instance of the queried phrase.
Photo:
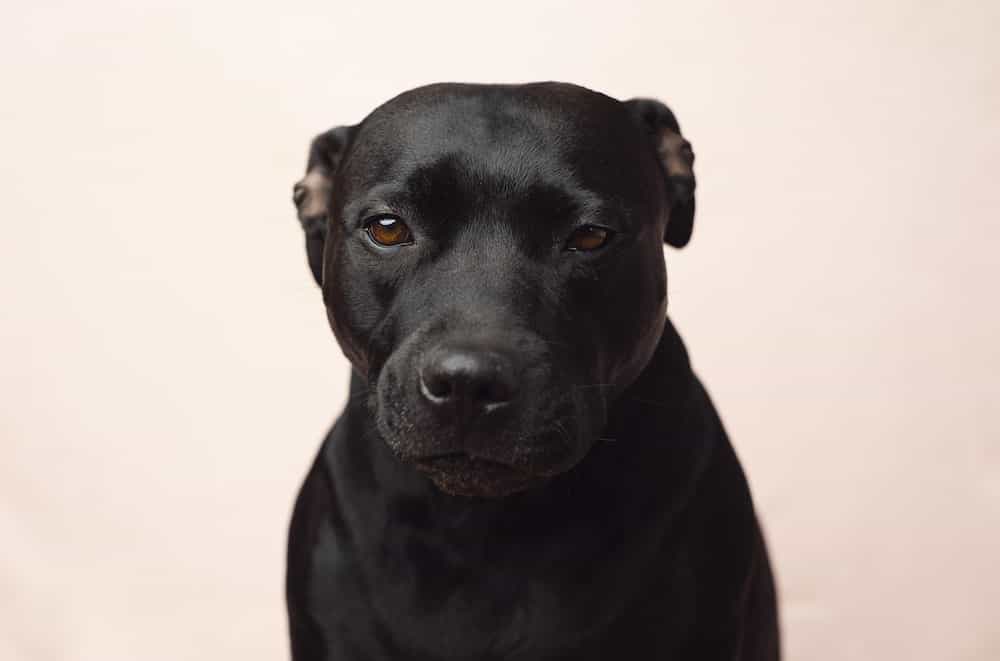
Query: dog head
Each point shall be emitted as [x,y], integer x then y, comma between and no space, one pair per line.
[491,261]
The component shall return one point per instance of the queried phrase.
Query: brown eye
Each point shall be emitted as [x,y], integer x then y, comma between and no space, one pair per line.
[388,231]
[588,237]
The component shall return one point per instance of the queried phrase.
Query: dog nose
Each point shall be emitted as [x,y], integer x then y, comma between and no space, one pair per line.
[467,382]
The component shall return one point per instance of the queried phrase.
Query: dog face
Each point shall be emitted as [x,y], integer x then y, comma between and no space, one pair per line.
[491,261]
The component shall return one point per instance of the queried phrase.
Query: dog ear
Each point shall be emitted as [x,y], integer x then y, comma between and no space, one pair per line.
[311,194]
[677,160]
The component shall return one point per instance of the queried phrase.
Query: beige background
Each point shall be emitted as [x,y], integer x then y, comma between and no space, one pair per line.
[167,372]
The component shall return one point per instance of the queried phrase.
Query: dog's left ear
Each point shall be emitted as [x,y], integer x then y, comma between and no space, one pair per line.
[311,194]
[677,160]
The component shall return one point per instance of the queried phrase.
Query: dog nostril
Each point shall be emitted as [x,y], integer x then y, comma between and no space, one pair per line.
[437,387]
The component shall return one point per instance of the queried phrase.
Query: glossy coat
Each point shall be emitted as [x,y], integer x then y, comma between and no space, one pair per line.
[614,521]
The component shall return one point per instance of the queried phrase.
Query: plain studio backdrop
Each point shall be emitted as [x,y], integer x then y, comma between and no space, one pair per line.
[167,374]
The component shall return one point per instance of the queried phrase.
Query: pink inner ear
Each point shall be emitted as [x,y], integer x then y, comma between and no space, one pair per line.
[675,153]
[315,187]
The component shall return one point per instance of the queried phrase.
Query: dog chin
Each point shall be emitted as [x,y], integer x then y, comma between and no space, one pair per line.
[461,475]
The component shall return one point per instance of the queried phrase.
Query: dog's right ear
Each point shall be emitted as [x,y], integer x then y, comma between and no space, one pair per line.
[311,194]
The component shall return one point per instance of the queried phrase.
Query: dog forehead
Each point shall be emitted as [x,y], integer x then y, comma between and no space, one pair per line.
[486,111]
[513,128]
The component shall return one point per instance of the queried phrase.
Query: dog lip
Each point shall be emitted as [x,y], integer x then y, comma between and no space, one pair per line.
[534,459]
[450,461]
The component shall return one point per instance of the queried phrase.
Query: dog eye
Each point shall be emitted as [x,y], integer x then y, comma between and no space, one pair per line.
[588,237]
[388,231]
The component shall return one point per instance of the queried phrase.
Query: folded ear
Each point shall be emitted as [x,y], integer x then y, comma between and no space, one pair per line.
[677,159]
[311,194]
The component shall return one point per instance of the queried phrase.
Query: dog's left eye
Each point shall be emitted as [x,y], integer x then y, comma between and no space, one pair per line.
[388,231]
[588,237]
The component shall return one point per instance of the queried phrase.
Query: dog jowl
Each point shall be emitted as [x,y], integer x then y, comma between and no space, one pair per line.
[527,467]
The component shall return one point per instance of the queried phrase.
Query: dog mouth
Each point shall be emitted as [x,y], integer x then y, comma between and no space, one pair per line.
[461,474]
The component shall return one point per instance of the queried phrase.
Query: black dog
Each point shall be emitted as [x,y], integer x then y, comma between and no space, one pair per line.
[527,468]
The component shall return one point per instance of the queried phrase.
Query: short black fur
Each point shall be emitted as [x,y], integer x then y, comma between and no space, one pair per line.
[565,489]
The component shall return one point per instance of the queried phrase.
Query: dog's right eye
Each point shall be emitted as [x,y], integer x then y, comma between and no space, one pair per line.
[388,231]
